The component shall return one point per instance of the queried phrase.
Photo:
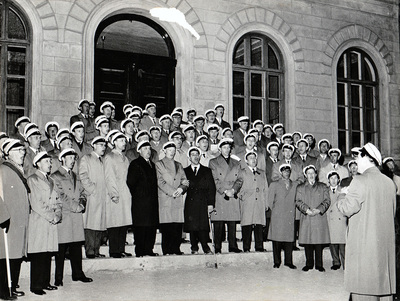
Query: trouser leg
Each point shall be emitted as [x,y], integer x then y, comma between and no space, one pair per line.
[342,252]
[276,251]
[167,238]
[177,237]
[90,236]
[150,239]
[122,238]
[140,237]
[309,250]
[47,268]
[219,230]
[232,235]
[318,255]
[194,240]
[246,237]
[60,258]
[75,251]
[203,238]
[258,238]
[334,249]
[113,240]
[15,268]
[266,227]
[288,249]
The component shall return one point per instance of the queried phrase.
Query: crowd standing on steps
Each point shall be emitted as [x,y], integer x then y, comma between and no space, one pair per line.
[91,181]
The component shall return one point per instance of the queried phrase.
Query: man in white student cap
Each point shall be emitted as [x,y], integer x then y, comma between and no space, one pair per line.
[33,138]
[151,119]
[78,139]
[219,116]
[107,109]
[241,131]
[90,130]
[50,129]
[334,156]
[20,124]
[370,204]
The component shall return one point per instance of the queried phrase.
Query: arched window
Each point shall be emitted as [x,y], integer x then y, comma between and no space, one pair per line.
[15,66]
[258,79]
[357,100]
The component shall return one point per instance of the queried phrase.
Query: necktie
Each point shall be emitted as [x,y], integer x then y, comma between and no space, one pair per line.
[275,160]
[69,172]
[101,161]
[148,161]
[195,170]
[254,171]
[191,144]
[333,190]
[334,166]
[304,158]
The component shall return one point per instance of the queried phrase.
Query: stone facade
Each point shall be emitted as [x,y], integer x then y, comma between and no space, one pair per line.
[311,34]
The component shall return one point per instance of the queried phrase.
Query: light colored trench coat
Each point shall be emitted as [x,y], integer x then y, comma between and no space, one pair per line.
[370,247]
[337,222]
[116,169]
[93,180]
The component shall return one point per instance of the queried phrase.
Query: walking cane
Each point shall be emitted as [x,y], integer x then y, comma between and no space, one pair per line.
[212,238]
[7,261]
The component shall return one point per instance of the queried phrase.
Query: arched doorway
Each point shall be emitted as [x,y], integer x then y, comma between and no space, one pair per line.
[134,63]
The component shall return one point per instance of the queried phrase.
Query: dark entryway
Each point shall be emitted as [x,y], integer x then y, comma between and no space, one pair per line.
[134,63]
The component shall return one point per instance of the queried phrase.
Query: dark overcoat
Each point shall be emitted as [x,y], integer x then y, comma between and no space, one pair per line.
[200,194]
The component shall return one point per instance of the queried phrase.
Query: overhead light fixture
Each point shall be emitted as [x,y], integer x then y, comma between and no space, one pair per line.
[173,15]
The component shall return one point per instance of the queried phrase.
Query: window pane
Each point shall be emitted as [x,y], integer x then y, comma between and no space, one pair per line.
[356,136]
[256,109]
[272,59]
[355,95]
[16,29]
[340,67]
[238,107]
[238,83]
[16,60]
[354,65]
[273,86]
[238,57]
[256,52]
[1,19]
[340,94]
[369,97]
[369,73]
[342,142]
[370,120]
[342,118]
[15,92]
[256,84]
[355,119]
[273,112]
[12,116]
[369,137]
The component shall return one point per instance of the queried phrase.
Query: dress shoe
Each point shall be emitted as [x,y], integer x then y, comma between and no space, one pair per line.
[276,266]
[50,288]
[306,268]
[321,269]
[58,283]
[115,255]
[291,266]
[38,292]
[8,297]
[246,251]
[261,250]
[100,255]
[295,248]
[195,252]
[83,279]
[152,254]
[90,256]
[179,253]
[126,254]
[17,286]
[235,250]
[18,293]
[185,241]
[335,267]
[217,251]
[209,252]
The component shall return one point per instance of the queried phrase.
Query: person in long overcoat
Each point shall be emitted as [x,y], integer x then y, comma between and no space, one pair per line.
[334,155]
[14,193]
[296,174]
[250,145]
[44,217]
[93,180]
[312,199]
[200,200]
[225,172]
[142,183]
[252,190]
[370,204]
[337,223]
[70,230]
[119,201]
[33,140]
[78,139]
[281,201]
[172,184]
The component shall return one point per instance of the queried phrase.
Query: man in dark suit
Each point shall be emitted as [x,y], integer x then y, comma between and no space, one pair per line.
[239,133]
[142,183]
[304,159]
[51,128]
[200,201]
[20,124]
[90,130]
[219,115]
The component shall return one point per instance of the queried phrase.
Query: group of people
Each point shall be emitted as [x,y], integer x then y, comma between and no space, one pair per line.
[99,177]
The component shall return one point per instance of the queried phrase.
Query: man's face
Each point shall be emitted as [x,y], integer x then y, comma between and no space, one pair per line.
[226,150]
[228,134]
[252,161]
[17,155]
[203,144]
[21,127]
[334,157]
[79,134]
[311,175]
[67,143]
[199,124]
[129,129]
[166,124]
[100,148]
[287,140]
[191,116]
[274,151]
[104,128]
[353,169]
[152,111]
[190,135]
[296,137]
[324,147]
[92,110]
[178,141]
[85,108]
[287,153]
[279,132]
[145,152]
[176,120]
[136,122]
[220,112]
[390,165]
[268,132]
[44,165]
[112,113]
[286,173]
[194,157]
[250,142]
[107,112]
[170,152]
[211,117]
[213,134]
[302,147]
[244,125]
[52,132]
[310,140]
[34,141]
[120,144]
[259,127]
[155,135]
[333,180]
[69,161]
